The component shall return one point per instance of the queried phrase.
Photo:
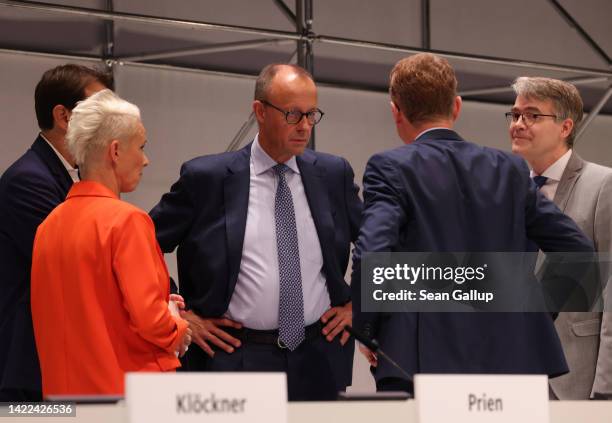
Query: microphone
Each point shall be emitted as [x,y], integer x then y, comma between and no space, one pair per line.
[373,346]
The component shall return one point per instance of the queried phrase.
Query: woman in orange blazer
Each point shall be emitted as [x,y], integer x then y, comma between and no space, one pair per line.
[100,287]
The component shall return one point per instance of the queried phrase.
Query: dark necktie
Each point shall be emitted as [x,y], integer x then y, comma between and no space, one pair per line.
[540,181]
[291,301]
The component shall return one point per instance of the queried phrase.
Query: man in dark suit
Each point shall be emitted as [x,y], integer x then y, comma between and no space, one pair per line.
[440,193]
[29,189]
[543,124]
[263,238]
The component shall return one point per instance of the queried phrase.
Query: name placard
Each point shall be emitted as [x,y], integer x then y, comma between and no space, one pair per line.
[210,397]
[482,398]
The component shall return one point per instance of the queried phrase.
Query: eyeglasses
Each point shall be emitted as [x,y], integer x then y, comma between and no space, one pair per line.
[293,117]
[528,117]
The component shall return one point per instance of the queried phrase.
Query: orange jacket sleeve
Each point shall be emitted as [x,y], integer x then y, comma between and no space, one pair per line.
[143,281]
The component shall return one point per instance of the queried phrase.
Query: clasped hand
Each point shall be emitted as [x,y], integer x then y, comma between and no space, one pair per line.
[176,303]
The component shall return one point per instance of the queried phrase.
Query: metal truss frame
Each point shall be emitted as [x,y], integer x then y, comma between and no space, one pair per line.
[305,39]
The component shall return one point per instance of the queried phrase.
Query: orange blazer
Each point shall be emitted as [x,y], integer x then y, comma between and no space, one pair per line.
[99,297]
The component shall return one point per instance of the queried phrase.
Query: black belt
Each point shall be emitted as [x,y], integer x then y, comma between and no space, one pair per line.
[271,337]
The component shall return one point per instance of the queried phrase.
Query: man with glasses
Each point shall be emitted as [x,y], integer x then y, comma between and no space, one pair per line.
[542,127]
[263,238]
[441,193]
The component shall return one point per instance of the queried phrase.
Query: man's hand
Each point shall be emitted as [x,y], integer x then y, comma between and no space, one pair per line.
[335,320]
[207,329]
[369,355]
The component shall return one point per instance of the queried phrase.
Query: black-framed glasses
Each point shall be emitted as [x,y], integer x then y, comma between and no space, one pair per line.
[294,116]
[528,117]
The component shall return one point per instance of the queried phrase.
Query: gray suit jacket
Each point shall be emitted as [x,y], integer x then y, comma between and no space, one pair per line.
[585,194]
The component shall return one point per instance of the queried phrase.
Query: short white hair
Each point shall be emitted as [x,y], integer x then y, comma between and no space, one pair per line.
[98,120]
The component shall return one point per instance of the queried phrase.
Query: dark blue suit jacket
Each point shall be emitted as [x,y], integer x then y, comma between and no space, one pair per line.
[29,189]
[205,214]
[444,194]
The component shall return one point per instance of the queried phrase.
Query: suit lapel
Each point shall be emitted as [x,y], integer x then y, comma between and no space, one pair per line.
[55,165]
[236,199]
[568,181]
[562,195]
[313,179]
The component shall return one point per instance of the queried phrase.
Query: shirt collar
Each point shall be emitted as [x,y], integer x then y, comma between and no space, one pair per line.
[430,129]
[555,170]
[262,162]
[90,189]
[71,170]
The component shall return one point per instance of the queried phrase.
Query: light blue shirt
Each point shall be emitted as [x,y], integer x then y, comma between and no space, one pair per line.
[256,295]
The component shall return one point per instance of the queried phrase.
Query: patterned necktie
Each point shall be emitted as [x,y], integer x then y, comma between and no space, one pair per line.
[540,181]
[291,301]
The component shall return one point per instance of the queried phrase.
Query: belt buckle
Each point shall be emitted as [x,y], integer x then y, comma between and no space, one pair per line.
[280,343]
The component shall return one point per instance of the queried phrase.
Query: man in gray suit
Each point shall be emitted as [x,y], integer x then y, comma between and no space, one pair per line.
[543,123]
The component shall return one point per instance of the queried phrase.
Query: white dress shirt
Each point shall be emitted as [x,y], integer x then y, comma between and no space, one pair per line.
[255,300]
[73,172]
[553,173]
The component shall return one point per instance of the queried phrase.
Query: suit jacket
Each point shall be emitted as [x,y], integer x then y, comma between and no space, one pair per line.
[29,189]
[100,292]
[585,194]
[205,214]
[444,194]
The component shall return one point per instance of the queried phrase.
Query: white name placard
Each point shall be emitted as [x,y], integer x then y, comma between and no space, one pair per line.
[481,398]
[206,397]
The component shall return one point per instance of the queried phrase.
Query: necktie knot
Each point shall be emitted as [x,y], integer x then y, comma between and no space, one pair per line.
[281,169]
[540,181]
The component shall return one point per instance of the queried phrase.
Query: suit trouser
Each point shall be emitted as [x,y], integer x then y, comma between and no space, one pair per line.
[316,371]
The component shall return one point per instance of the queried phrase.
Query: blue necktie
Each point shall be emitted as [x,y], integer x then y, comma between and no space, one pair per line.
[540,181]
[291,301]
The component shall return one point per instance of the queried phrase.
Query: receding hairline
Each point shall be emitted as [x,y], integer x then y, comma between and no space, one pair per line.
[268,77]
[284,79]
